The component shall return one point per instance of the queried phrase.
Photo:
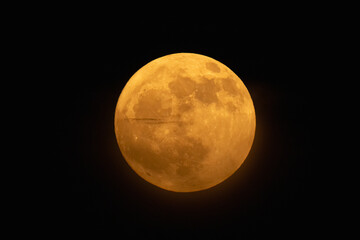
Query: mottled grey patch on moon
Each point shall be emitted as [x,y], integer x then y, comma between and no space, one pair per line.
[151,105]
[159,72]
[182,86]
[185,106]
[229,85]
[230,107]
[212,67]
[183,170]
[206,92]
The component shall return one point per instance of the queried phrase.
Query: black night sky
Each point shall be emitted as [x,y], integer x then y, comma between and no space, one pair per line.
[91,187]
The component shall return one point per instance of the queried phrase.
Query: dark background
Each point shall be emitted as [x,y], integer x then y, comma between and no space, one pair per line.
[91,188]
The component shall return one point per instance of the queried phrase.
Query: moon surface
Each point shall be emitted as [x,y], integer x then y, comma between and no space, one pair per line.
[185,122]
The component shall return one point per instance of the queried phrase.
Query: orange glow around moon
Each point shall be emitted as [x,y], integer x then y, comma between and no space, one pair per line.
[185,122]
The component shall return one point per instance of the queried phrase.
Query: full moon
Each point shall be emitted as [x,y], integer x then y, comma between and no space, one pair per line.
[185,122]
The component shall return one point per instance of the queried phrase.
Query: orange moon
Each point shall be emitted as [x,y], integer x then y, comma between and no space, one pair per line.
[185,122]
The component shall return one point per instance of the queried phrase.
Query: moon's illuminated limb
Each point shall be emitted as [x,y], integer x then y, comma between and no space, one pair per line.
[185,122]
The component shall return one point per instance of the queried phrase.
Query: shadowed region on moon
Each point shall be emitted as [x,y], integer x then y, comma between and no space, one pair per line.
[229,85]
[212,67]
[153,104]
[182,122]
[206,91]
[182,86]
